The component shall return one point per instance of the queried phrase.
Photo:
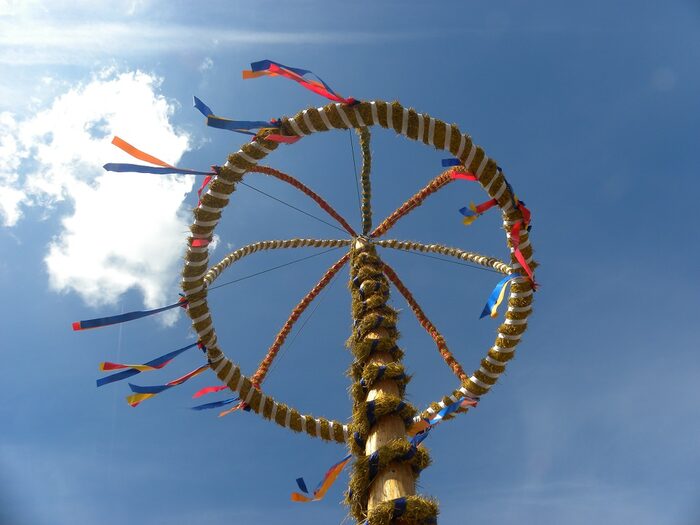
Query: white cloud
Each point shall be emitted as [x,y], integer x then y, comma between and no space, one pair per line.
[206,64]
[125,230]
[32,39]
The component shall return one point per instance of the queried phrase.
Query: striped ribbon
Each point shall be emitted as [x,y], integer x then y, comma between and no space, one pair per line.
[318,86]
[425,425]
[473,212]
[142,393]
[496,297]
[323,486]
[155,364]
[160,168]
[125,317]
[239,126]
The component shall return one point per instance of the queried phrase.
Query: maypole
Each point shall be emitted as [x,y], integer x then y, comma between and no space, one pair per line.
[385,432]
[383,479]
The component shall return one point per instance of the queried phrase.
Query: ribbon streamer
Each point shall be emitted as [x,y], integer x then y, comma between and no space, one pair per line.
[205,183]
[284,139]
[239,406]
[141,393]
[216,404]
[125,317]
[318,86]
[208,390]
[515,241]
[162,168]
[137,153]
[463,175]
[472,212]
[157,363]
[425,425]
[155,170]
[323,486]
[496,297]
[239,126]
[107,366]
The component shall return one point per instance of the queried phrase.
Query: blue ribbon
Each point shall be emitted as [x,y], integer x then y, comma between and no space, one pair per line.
[123,318]
[216,404]
[132,372]
[237,125]
[302,485]
[492,301]
[202,107]
[264,65]
[157,170]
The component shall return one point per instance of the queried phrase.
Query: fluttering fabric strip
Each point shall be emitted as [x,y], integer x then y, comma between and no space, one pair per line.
[425,424]
[125,317]
[209,390]
[154,170]
[163,168]
[142,393]
[264,366]
[434,185]
[239,126]
[308,191]
[137,153]
[157,363]
[416,126]
[426,324]
[482,260]
[496,297]
[331,474]
[271,68]
[216,404]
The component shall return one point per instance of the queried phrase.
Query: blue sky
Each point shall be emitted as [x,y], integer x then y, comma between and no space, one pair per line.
[592,111]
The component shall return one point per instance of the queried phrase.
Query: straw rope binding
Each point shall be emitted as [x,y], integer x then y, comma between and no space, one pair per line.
[196,276]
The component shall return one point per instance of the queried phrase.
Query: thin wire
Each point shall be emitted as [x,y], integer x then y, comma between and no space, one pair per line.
[354,164]
[476,267]
[273,268]
[301,327]
[293,207]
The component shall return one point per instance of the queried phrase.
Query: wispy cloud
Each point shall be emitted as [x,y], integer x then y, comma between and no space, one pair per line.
[24,42]
[118,236]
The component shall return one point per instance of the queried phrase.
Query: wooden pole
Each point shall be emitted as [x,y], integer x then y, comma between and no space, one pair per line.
[397,479]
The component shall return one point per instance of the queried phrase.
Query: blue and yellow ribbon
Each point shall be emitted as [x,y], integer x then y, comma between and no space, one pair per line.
[142,393]
[155,364]
[497,295]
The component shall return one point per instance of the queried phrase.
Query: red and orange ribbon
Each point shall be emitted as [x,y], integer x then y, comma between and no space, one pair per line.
[328,480]
[317,85]
[141,393]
